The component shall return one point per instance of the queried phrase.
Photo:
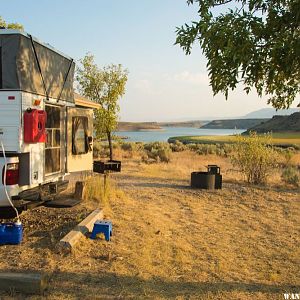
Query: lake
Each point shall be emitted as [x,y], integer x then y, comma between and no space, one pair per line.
[167,132]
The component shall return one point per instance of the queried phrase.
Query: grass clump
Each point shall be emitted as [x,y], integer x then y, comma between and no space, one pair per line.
[96,190]
[255,157]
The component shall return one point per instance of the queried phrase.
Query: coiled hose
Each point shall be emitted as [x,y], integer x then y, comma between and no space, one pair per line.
[4,183]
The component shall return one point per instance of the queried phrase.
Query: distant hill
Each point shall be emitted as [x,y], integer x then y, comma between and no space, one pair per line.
[268,113]
[145,126]
[233,123]
[279,124]
[138,126]
[195,124]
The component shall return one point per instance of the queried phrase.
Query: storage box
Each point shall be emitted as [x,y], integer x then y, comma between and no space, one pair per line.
[11,233]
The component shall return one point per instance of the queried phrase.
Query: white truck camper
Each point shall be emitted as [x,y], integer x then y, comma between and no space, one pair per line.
[45,129]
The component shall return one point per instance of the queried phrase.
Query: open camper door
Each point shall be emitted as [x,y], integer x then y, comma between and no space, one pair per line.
[79,139]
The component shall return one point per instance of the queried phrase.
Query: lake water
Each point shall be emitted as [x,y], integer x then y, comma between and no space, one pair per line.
[167,132]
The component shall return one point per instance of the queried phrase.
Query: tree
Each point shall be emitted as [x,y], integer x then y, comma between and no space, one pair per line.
[104,86]
[256,42]
[5,25]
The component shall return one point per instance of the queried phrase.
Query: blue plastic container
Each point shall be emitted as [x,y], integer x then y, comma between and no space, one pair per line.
[11,233]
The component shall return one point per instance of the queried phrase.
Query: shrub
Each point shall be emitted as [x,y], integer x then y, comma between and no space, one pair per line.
[115,145]
[192,147]
[96,149]
[228,149]
[290,175]
[220,151]
[255,157]
[204,149]
[159,151]
[128,146]
[178,146]
[288,155]
[100,149]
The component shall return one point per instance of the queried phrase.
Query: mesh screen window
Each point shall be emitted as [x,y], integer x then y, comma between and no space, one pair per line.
[79,135]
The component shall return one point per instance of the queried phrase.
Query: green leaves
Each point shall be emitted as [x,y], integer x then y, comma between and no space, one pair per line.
[10,25]
[257,43]
[254,156]
[105,86]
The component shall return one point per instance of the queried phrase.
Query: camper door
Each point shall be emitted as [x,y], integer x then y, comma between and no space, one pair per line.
[79,139]
[54,149]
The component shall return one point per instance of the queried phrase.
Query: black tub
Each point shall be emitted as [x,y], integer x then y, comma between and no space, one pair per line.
[203,180]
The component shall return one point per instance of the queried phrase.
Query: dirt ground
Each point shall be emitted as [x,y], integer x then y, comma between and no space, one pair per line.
[169,241]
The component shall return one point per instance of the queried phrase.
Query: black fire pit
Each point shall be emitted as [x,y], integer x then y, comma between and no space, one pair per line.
[107,166]
[210,180]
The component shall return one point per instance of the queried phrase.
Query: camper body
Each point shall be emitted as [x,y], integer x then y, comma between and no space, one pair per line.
[45,132]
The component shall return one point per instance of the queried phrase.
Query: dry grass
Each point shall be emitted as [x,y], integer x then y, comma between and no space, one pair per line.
[170,241]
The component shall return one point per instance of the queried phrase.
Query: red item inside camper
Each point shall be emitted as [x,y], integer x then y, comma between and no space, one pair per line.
[34,126]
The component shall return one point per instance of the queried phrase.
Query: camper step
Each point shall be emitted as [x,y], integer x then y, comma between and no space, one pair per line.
[44,192]
[62,203]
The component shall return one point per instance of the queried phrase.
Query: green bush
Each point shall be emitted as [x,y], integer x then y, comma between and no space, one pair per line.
[100,149]
[192,147]
[290,175]
[115,145]
[228,149]
[159,151]
[128,146]
[204,149]
[220,151]
[288,155]
[255,157]
[178,146]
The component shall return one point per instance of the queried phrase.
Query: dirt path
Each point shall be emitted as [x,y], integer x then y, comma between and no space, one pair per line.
[172,241]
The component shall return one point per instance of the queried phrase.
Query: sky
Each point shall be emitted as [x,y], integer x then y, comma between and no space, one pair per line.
[163,83]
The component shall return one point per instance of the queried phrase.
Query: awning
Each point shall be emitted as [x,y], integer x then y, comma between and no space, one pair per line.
[81,101]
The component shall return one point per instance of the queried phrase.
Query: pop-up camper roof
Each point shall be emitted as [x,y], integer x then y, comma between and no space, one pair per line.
[29,65]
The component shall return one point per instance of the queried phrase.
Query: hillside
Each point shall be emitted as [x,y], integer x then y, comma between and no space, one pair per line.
[194,124]
[145,126]
[269,113]
[138,126]
[279,124]
[234,123]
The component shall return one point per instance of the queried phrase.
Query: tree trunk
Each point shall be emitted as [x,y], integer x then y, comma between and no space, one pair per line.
[110,145]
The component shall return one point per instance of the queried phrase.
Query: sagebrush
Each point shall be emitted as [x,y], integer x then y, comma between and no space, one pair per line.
[255,157]
[290,175]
